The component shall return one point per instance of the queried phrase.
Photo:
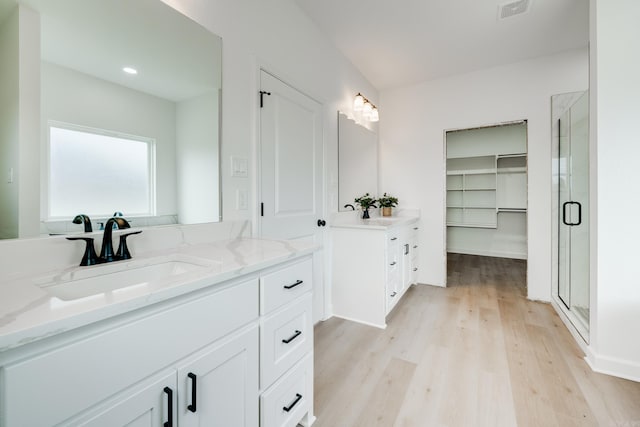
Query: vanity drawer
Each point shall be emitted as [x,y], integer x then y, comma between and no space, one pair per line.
[91,370]
[285,337]
[285,285]
[290,398]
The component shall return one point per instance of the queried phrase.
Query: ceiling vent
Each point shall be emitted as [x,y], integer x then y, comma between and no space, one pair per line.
[513,8]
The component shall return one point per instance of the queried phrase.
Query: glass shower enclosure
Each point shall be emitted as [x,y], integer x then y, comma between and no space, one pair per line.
[570,169]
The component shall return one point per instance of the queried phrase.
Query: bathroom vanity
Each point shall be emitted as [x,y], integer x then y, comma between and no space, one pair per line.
[222,337]
[375,261]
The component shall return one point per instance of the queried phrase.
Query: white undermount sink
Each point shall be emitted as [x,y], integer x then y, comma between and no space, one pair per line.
[82,282]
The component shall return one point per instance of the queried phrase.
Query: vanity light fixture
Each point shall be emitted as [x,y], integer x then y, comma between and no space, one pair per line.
[358,103]
[369,110]
[130,70]
[374,117]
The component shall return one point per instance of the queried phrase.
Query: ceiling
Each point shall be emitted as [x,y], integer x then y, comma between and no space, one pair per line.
[403,42]
[177,59]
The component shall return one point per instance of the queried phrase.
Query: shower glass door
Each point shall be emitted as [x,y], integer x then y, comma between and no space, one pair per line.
[572,180]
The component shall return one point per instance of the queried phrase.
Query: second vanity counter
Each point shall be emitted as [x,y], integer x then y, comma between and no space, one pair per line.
[29,313]
[349,220]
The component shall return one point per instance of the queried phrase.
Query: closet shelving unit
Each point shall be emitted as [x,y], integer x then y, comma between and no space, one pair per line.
[481,187]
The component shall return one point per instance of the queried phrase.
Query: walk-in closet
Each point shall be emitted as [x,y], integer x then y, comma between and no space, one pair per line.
[487,190]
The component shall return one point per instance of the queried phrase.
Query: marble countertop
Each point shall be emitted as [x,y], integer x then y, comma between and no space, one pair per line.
[29,313]
[376,223]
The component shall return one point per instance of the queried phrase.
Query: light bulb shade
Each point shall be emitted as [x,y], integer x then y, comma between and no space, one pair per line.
[367,109]
[358,102]
[374,117]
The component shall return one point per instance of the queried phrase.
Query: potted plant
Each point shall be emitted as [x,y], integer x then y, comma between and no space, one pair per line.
[365,202]
[386,203]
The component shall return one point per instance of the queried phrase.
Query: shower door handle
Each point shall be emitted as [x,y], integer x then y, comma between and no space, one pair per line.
[564,213]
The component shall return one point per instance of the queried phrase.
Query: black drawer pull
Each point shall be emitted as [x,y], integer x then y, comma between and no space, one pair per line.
[299,282]
[292,337]
[169,407]
[415,269]
[194,392]
[415,246]
[415,228]
[394,238]
[394,294]
[393,263]
[294,403]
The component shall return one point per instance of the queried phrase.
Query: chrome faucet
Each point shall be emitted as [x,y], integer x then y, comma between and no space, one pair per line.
[83,219]
[106,253]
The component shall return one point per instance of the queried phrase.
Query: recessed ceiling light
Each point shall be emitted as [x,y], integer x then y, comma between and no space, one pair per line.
[130,70]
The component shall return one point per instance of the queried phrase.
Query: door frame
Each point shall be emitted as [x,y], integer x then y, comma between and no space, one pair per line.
[260,67]
[444,190]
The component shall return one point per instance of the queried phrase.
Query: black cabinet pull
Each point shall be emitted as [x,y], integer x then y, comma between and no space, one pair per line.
[415,246]
[394,238]
[393,263]
[292,337]
[169,407]
[322,223]
[298,282]
[194,392]
[415,228]
[406,249]
[415,269]
[294,403]
[394,294]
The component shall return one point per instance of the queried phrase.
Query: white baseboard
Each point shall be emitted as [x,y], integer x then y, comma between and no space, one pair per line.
[626,369]
[361,322]
[496,254]
[616,367]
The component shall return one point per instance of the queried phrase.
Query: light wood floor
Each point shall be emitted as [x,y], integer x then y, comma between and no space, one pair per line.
[477,353]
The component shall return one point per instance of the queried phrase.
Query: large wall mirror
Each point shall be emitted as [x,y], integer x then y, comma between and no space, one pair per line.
[357,161]
[130,95]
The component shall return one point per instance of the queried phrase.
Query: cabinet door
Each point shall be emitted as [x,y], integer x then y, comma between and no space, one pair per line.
[147,405]
[219,386]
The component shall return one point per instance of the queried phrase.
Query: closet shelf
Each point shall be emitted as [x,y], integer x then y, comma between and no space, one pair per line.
[469,225]
[471,171]
[518,169]
[515,210]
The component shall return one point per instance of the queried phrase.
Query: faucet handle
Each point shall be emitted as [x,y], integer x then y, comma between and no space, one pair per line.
[123,250]
[90,257]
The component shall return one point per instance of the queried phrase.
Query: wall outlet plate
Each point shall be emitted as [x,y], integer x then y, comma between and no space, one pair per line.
[242,200]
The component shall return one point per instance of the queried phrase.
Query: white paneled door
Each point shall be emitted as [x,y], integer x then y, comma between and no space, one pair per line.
[291,171]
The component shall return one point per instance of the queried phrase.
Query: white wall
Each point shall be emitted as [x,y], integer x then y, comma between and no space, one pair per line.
[28,175]
[615,67]
[197,157]
[412,147]
[274,34]
[77,98]
[9,125]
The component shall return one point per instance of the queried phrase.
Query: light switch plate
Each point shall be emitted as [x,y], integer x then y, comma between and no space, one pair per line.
[239,167]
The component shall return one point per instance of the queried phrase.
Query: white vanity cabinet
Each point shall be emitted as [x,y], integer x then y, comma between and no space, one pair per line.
[286,346]
[373,263]
[226,355]
[73,380]
[213,388]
